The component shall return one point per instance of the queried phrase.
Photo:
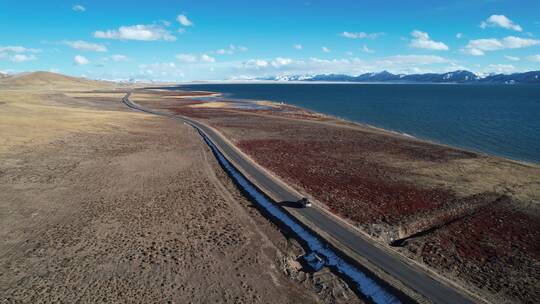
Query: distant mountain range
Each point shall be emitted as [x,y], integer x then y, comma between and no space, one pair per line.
[532,77]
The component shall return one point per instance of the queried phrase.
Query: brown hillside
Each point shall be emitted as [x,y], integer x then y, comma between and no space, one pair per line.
[50,81]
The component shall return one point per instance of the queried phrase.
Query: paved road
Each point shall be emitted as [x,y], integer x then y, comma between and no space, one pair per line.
[412,276]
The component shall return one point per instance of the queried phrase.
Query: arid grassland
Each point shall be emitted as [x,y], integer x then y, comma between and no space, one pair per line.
[99,203]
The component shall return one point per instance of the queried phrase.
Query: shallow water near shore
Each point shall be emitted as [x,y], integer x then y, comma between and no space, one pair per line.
[502,120]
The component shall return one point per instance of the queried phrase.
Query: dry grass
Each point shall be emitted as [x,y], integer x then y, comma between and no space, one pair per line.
[102,204]
[51,81]
[484,174]
[35,117]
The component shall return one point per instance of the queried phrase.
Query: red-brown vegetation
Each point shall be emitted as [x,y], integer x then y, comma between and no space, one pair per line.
[364,194]
[495,249]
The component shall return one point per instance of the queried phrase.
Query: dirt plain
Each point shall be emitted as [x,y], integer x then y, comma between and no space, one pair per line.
[102,204]
[472,218]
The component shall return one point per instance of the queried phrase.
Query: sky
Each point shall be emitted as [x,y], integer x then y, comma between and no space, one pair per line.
[229,40]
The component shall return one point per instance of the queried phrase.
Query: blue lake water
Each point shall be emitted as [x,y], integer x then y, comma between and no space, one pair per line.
[501,120]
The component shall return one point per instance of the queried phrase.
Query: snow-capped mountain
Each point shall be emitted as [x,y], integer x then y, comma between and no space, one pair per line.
[459,76]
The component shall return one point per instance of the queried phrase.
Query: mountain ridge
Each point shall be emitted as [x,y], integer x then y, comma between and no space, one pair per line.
[458,76]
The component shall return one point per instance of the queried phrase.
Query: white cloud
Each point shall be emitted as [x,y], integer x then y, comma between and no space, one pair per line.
[137,32]
[18,49]
[459,35]
[500,21]
[500,69]
[478,47]
[78,8]
[192,58]
[473,51]
[207,58]
[325,49]
[297,46]
[160,71]
[279,62]
[255,63]
[513,42]
[22,57]
[422,41]
[80,60]
[512,58]
[86,46]
[231,50]
[17,53]
[413,60]
[119,57]
[365,49]
[535,58]
[165,23]
[186,58]
[183,20]
[361,35]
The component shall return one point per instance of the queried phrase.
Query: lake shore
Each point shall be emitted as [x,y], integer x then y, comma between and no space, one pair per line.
[495,120]
[214,100]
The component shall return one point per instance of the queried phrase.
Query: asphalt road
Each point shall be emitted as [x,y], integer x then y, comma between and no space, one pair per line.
[412,276]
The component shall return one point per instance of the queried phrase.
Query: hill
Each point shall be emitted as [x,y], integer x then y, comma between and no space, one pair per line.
[50,81]
[532,77]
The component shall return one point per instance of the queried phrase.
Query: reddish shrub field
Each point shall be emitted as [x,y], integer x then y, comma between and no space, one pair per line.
[362,191]
[496,249]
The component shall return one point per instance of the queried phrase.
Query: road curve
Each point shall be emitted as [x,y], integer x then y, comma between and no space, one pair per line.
[413,277]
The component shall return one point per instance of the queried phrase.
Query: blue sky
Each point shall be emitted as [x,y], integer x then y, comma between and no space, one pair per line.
[219,40]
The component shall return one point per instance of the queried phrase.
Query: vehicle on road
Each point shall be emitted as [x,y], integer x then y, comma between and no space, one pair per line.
[304,202]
